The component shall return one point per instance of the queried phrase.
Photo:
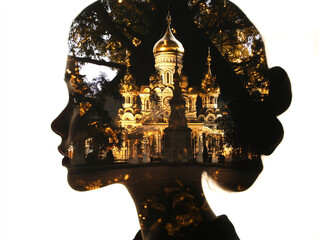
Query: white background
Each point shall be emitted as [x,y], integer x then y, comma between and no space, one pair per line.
[35,199]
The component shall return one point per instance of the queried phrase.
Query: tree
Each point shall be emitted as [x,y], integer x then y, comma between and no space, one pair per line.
[155,100]
[237,40]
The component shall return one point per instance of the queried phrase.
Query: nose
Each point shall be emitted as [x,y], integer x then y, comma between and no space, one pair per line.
[60,125]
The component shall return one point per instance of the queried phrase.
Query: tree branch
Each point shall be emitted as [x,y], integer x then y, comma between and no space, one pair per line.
[98,62]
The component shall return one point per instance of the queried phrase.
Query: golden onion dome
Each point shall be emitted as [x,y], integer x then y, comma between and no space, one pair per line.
[168,43]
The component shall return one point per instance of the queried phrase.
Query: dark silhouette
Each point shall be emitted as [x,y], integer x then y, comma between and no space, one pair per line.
[226,98]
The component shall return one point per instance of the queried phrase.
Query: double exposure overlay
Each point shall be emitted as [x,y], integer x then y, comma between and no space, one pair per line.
[126,112]
[161,91]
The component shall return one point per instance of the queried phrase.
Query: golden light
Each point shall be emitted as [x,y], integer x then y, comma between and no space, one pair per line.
[136,41]
[126,177]
[93,185]
[84,107]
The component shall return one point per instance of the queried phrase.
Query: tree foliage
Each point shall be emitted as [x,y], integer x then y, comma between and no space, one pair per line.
[238,41]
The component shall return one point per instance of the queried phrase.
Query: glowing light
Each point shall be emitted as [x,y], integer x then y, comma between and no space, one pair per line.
[136,42]
[93,185]
[84,107]
[126,177]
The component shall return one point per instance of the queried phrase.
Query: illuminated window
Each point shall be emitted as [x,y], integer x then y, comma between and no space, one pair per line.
[147,105]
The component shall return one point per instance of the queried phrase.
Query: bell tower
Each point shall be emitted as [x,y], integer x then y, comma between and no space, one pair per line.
[209,88]
[127,87]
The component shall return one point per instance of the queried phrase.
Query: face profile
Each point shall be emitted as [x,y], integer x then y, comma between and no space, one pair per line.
[156,97]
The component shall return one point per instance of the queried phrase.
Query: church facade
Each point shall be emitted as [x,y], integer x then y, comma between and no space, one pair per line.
[146,114]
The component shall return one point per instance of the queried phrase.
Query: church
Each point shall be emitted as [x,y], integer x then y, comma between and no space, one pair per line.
[151,130]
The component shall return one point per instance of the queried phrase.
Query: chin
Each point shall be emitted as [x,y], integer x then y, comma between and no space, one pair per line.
[237,179]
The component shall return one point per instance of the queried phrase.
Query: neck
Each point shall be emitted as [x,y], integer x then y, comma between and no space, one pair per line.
[170,202]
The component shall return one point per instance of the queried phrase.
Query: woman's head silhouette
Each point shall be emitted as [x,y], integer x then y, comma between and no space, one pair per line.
[171,95]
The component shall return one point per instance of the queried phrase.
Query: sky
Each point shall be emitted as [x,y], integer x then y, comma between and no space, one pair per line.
[35,199]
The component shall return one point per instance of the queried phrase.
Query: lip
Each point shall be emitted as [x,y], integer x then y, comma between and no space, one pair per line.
[66,161]
[61,151]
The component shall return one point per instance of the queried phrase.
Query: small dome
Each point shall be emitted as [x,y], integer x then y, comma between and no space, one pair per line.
[168,43]
[128,85]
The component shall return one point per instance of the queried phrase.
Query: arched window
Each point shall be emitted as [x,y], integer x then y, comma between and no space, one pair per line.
[167,77]
[211,99]
[128,99]
[190,104]
[147,104]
